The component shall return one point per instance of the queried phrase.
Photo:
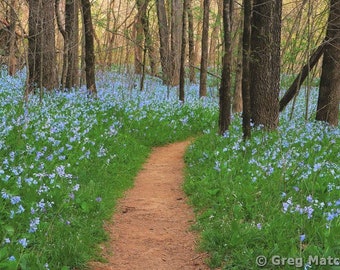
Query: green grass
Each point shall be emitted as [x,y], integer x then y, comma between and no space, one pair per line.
[276,194]
[66,161]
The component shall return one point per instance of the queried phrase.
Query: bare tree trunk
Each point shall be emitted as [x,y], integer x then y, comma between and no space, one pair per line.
[329,92]
[265,62]
[72,33]
[139,37]
[225,88]
[41,46]
[215,34]
[65,37]
[237,101]
[205,49]
[12,60]
[176,40]
[142,6]
[89,48]
[300,78]
[191,42]
[164,41]
[198,38]
[148,42]
[110,33]
[246,43]
[183,52]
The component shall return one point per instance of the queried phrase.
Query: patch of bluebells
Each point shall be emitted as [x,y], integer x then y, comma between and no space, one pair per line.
[285,183]
[39,139]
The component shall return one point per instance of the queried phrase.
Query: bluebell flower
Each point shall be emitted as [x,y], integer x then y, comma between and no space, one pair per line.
[20,210]
[15,199]
[34,225]
[302,237]
[5,195]
[317,167]
[23,242]
[309,210]
[12,258]
[309,198]
[76,187]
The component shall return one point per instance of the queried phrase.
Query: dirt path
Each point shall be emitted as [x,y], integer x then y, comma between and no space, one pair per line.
[151,229]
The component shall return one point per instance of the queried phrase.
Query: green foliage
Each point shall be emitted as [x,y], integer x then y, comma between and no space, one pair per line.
[277,194]
[66,161]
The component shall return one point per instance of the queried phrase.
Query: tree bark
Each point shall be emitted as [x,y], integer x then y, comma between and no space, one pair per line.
[12,60]
[237,101]
[139,36]
[148,42]
[191,41]
[329,91]
[41,46]
[225,88]
[183,52]
[265,62]
[300,78]
[164,41]
[215,34]
[246,43]
[205,49]
[72,33]
[89,48]
[70,76]
[176,40]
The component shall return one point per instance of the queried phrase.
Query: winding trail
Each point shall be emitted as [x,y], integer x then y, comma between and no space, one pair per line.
[151,228]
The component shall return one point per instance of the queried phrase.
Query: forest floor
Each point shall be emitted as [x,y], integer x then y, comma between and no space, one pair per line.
[151,228]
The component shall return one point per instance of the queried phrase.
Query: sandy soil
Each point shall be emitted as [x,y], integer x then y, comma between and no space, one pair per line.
[151,229]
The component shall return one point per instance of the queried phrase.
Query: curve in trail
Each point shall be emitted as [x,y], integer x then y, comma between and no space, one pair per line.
[151,229]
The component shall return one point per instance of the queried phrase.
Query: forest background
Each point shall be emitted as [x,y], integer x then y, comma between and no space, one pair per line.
[165,38]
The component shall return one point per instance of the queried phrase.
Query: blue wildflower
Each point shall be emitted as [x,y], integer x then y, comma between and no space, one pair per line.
[302,237]
[23,242]
[15,199]
[12,259]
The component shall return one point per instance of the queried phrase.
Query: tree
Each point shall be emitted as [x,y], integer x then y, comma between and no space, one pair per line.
[265,62]
[183,51]
[145,36]
[12,61]
[139,36]
[72,34]
[237,97]
[224,91]
[164,49]
[205,43]
[42,71]
[69,77]
[246,39]
[300,78]
[176,40]
[329,91]
[191,43]
[89,48]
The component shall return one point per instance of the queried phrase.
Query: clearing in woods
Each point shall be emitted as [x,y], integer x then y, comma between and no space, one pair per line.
[151,228]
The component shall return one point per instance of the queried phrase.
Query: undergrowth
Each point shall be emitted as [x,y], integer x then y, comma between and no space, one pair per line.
[271,202]
[67,158]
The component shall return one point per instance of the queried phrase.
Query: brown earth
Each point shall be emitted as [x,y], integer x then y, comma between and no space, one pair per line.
[151,229]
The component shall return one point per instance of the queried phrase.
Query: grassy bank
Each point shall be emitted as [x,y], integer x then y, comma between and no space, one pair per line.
[66,159]
[276,195]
